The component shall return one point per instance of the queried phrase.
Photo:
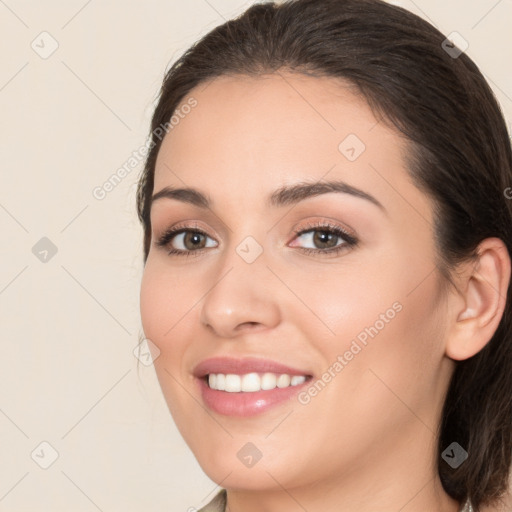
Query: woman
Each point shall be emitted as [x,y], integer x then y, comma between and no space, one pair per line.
[327,240]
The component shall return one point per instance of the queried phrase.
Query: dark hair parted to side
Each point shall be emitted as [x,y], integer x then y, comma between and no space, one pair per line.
[460,155]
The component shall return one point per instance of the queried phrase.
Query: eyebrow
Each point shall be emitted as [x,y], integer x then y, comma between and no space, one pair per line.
[283,196]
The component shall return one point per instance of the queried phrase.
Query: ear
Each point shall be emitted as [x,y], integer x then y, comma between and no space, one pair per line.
[478,308]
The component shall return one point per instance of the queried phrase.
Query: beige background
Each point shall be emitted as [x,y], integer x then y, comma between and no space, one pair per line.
[69,325]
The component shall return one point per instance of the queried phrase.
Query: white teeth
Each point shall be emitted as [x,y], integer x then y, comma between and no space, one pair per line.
[268,381]
[251,382]
[297,379]
[283,381]
[220,382]
[233,383]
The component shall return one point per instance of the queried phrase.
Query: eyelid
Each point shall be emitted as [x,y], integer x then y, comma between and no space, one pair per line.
[170,233]
[327,225]
[180,227]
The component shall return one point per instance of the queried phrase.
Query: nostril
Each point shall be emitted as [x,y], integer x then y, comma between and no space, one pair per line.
[250,325]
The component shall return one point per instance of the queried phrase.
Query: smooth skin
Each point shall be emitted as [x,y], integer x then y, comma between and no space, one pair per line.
[366,441]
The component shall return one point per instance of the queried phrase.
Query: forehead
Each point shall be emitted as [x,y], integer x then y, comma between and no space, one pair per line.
[252,134]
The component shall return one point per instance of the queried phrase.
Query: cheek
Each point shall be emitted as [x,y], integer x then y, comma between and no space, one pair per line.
[166,307]
[345,299]
[153,303]
[388,322]
[165,301]
[399,329]
[390,341]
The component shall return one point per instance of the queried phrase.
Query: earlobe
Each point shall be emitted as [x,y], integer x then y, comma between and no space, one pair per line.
[481,303]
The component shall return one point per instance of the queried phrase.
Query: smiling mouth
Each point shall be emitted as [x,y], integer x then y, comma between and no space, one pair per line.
[253,382]
[248,386]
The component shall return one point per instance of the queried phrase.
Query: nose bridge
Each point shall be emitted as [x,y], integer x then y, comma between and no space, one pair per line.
[239,291]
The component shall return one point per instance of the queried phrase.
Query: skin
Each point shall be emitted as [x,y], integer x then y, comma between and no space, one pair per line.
[367,439]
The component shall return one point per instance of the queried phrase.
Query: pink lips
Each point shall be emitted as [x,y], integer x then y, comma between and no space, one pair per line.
[244,404]
[242,366]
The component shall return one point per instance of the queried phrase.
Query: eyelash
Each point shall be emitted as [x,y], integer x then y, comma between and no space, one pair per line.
[349,240]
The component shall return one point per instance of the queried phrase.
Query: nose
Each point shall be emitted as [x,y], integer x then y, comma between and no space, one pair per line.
[240,298]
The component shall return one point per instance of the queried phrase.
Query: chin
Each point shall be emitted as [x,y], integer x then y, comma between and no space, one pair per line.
[226,467]
[249,479]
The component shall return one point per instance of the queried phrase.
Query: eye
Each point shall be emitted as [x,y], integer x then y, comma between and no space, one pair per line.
[330,238]
[184,240]
[188,241]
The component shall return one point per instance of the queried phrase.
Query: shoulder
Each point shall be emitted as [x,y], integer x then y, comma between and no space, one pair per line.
[218,504]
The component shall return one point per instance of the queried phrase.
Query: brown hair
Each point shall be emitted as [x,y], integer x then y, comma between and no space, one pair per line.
[459,155]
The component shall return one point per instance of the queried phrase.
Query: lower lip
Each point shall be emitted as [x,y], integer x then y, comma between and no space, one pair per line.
[248,403]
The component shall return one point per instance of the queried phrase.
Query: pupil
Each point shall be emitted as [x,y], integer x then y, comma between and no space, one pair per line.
[194,237]
[321,237]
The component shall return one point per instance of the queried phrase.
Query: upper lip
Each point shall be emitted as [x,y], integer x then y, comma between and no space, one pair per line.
[241,366]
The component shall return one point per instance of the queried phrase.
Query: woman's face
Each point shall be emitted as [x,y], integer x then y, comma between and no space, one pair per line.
[364,325]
